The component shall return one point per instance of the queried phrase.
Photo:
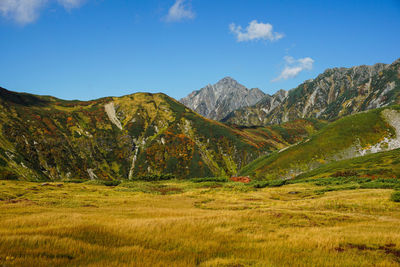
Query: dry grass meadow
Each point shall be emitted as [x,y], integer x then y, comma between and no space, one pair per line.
[186,224]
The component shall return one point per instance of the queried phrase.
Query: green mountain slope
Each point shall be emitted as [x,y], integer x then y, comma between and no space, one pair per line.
[381,165]
[356,135]
[42,137]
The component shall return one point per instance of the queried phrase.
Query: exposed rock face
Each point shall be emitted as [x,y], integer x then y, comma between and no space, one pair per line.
[333,94]
[216,101]
[254,115]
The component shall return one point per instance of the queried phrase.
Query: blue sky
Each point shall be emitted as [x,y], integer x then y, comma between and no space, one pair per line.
[86,49]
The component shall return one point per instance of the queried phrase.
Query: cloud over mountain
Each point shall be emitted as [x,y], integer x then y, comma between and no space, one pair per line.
[294,67]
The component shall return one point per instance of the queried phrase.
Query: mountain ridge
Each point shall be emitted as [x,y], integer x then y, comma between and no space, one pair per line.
[335,93]
[43,137]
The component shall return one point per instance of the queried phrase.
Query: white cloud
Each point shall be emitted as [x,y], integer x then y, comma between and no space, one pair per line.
[179,11]
[255,31]
[22,11]
[294,67]
[27,11]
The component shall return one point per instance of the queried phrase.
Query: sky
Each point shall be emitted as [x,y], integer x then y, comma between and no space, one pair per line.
[87,49]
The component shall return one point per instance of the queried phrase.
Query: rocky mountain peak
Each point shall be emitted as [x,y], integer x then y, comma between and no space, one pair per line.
[227,81]
[216,101]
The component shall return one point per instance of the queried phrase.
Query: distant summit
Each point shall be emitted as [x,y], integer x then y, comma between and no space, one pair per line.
[218,100]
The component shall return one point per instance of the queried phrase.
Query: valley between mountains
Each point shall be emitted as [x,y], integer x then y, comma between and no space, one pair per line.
[228,176]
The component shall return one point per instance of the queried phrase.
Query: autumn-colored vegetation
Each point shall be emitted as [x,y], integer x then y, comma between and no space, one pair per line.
[203,223]
[44,138]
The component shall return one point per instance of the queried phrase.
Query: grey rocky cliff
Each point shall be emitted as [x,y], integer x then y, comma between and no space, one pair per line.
[218,100]
[333,94]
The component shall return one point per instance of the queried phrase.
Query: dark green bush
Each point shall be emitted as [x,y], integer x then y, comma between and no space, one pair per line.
[3,163]
[209,179]
[348,173]
[260,184]
[155,177]
[7,175]
[112,183]
[277,183]
[395,196]
[74,181]
[272,183]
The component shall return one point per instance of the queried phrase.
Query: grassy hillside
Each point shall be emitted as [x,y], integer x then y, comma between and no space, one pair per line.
[45,138]
[346,138]
[196,224]
[383,164]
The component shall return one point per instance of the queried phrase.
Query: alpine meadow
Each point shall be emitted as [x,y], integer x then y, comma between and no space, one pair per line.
[296,163]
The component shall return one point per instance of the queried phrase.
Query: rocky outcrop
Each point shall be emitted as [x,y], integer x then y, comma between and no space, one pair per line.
[254,115]
[333,94]
[218,100]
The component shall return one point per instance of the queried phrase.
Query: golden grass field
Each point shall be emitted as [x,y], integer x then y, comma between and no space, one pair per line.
[185,224]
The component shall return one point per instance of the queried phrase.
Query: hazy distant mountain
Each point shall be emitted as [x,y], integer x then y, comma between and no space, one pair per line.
[218,100]
[333,94]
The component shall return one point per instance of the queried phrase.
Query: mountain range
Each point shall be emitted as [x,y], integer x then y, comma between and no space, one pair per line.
[263,136]
[331,95]
[45,138]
